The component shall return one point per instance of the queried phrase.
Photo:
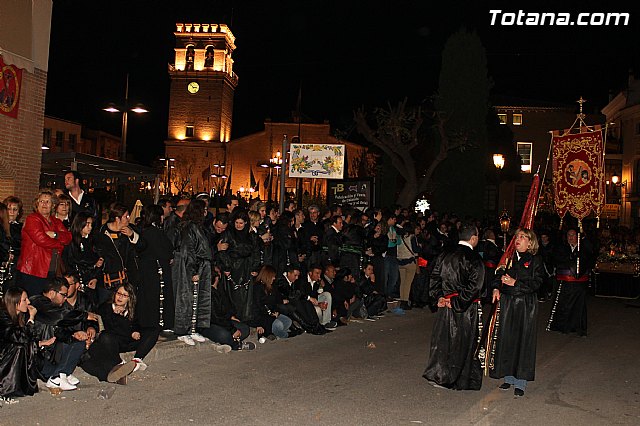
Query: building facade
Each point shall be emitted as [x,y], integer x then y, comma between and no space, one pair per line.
[24,43]
[623,152]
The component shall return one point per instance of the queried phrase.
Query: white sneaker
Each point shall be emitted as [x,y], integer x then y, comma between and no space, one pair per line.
[60,383]
[187,339]
[73,380]
[140,365]
[223,349]
[198,337]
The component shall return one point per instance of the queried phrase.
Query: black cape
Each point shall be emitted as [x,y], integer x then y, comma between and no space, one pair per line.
[515,350]
[452,361]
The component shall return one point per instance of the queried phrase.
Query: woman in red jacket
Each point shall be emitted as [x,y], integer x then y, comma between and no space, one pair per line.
[43,238]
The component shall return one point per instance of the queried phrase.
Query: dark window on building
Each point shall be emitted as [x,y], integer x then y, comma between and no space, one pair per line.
[191,53]
[59,139]
[73,139]
[208,57]
[189,132]
[46,138]
[522,193]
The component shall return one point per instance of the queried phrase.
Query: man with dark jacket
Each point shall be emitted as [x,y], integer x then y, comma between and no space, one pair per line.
[298,308]
[456,282]
[53,319]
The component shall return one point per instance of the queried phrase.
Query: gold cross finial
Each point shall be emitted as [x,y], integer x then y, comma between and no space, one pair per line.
[581,101]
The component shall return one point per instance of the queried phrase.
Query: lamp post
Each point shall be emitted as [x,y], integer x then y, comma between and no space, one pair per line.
[615,180]
[138,109]
[498,162]
[505,222]
[219,176]
[285,147]
[168,166]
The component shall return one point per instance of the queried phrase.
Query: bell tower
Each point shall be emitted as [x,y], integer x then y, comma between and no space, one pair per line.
[201,100]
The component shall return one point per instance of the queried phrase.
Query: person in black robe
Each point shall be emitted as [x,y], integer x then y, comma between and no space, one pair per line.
[14,212]
[284,249]
[490,253]
[456,282]
[515,336]
[191,268]
[18,346]
[157,254]
[569,312]
[240,262]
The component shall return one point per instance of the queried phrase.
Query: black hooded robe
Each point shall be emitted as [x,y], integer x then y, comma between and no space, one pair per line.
[458,275]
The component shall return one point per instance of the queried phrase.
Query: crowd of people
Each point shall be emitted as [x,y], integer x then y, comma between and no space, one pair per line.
[80,287]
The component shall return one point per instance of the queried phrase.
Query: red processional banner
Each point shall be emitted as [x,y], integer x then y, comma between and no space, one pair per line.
[10,85]
[578,174]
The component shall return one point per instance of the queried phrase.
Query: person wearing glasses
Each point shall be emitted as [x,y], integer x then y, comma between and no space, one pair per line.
[54,320]
[43,239]
[121,334]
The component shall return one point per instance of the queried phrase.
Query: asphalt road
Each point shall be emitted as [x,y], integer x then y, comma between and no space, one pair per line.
[343,379]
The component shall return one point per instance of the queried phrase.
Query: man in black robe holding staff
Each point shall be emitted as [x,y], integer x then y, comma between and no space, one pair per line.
[456,283]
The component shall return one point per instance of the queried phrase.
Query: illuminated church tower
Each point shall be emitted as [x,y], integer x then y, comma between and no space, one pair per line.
[200,103]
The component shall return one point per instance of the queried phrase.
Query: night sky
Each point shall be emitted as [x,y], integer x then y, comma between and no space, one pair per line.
[343,54]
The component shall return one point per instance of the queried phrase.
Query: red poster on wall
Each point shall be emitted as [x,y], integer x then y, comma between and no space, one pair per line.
[10,85]
[578,174]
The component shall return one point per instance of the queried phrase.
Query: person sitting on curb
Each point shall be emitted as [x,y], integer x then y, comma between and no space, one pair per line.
[226,329]
[120,334]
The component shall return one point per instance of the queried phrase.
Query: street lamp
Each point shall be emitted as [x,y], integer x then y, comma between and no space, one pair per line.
[615,180]
[168,166]
[285,147]
[498,162]
[505,222]
[138,109]
[220,177]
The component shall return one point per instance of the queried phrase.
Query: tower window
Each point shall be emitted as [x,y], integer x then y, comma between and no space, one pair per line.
[208,57]
[189,132]
[191,53]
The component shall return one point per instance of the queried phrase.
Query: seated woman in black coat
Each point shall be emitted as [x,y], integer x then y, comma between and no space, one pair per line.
[120,334]
[18,347]
[268,320]
[345,301]
[374,302]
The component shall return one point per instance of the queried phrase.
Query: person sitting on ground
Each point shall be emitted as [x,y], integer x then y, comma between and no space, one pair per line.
[310,288]
[345,302]
[225,329]
[374,302]
[53,319]
[121,334]
[268,320]
[18,357]
[299,309]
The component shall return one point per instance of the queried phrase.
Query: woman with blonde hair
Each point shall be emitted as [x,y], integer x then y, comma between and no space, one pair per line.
[515,289]
[43,239]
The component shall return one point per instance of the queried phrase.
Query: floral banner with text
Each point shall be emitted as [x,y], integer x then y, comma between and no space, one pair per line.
[317,161]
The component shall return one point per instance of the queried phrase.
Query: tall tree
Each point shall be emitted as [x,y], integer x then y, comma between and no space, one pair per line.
[463,94]
[420,140]
[413,139]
